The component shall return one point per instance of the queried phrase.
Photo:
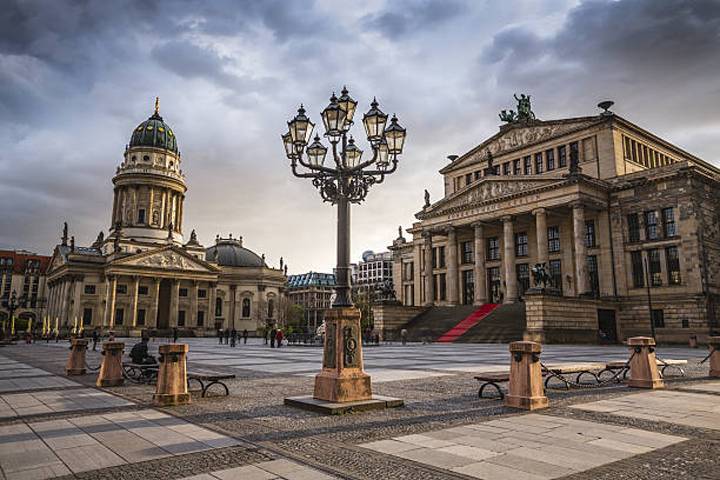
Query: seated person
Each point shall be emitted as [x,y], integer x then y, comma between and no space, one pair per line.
[139,353]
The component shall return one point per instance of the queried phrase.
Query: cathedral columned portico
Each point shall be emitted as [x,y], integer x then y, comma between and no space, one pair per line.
[609,209]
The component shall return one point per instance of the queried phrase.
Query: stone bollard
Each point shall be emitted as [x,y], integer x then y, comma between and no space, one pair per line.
[172,376]
[76,363]
[644,372]
[111,372]
[525,389]
[714,343]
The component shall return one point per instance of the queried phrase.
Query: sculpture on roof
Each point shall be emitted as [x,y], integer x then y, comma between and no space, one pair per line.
[524,111]
[400,235]
[64,237]
[427,198]
[193,236]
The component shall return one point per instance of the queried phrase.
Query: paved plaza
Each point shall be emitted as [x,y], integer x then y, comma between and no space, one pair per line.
[52,426]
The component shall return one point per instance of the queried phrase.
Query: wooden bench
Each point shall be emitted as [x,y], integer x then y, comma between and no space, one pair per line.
[624,366]
[557,371]
[212,378]
[493,379]
[141,372]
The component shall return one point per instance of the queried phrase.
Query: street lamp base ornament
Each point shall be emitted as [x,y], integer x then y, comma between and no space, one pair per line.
[342,378]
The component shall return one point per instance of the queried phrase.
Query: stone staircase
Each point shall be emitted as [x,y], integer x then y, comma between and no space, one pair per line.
[506,323]
[503,325]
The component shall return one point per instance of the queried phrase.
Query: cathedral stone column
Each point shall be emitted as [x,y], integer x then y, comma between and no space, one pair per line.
[581,275]
[541,235]
[429,280]
[152,322]
[233,289]
[175,303]
[417,274]
[77,290]
[509,260]
[64,310]
[194,303]
[212,294]
[111,304]
[479,273]
[452,266]
[136,291]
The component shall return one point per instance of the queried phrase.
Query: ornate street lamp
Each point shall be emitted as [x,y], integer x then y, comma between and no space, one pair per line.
[10,305]
[345,181]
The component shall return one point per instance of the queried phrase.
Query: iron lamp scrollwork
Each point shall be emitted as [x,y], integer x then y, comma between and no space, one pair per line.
[350,178]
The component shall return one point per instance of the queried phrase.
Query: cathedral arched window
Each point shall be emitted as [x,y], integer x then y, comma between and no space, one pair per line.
[271,308]
[246,308]
[218,307]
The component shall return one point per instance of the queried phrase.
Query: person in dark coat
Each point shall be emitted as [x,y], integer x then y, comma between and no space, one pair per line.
[233,338]
[175,335]
[220,336]
[139,353]
[245,335]
[227,336]
[95,339]
[273,335]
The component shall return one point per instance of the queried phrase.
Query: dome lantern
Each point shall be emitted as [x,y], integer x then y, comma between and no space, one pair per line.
[154,132]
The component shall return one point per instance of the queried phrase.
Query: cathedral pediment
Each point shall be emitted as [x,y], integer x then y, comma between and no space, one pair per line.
[166,258]
[489,189]
[518,136]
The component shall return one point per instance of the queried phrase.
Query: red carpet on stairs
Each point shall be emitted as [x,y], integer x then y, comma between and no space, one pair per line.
[470,321]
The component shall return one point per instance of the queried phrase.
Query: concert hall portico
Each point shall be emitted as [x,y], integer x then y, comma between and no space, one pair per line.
[486,239]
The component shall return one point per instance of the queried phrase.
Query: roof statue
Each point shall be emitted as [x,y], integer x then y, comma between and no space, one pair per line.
[286,270]
[400,235]
[427,198]
[64,237]
[99,240]
[490,169]
[524,111]
[72,243]
[170,230]
[281,263]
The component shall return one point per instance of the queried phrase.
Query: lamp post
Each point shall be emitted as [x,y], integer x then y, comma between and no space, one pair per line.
[10,305]
[345,181]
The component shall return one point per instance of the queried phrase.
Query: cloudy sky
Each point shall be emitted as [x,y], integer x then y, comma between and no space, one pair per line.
[77,76]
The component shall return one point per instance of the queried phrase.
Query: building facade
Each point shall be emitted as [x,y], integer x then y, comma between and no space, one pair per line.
[625,223]
[24,273]
[144,274]
[314,292]
[374,269]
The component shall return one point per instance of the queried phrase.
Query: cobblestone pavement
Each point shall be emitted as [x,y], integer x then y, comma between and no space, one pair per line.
[444,431]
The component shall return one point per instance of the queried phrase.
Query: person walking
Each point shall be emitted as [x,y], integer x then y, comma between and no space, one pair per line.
[233,338]
[245,335]
[273,335]
[220,336]
[267,335]
[95,339]
[175,334]
[279,338]
[403,335]
[227,336]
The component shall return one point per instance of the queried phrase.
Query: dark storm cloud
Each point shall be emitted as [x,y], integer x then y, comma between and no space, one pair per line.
[641,42]
[401,19]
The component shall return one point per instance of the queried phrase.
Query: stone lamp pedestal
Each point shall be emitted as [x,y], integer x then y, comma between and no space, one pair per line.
[644,372]
[111,372]
[172,376]
[525,388]
[342,378]
[76,362]
[714,343]
[342,386]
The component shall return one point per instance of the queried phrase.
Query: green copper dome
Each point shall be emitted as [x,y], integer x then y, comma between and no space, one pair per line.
[154,132]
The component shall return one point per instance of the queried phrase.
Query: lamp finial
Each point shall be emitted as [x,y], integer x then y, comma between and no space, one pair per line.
[157,105]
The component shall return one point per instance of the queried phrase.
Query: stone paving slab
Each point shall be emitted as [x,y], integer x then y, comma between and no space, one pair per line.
[532,447]
[273,470]
[672,406]
[55,401]
[52,448]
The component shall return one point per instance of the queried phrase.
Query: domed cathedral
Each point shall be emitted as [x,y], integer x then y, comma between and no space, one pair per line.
[144,275]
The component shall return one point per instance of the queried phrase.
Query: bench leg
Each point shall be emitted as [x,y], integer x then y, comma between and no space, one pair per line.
[202,385]
[227,391]
[493,384]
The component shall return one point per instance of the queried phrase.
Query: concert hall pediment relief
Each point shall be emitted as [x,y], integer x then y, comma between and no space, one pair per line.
[488,190]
